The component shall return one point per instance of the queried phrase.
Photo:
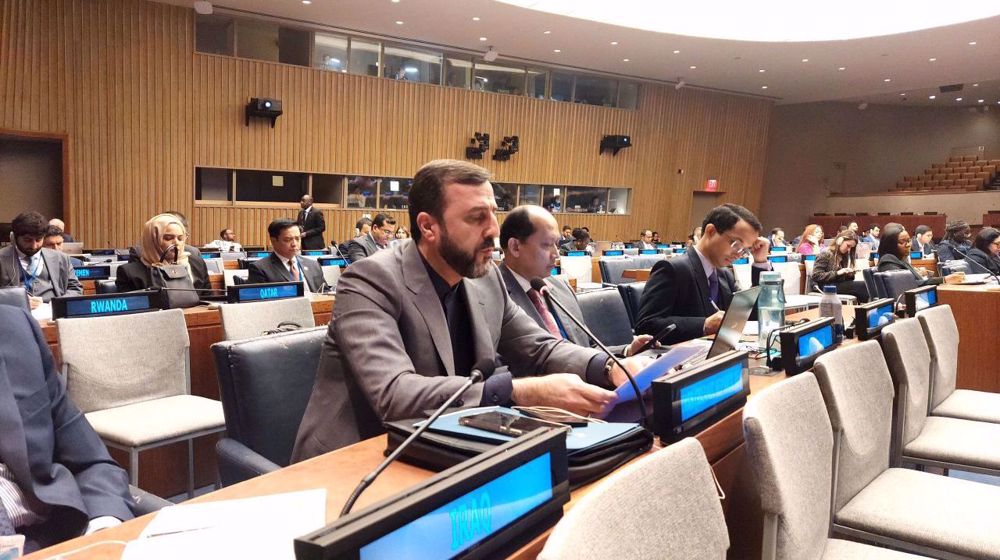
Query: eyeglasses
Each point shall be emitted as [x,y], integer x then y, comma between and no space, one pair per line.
[739,248]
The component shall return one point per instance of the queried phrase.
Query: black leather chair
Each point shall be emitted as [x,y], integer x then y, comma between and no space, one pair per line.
[874,289]
[264,384]
[612,269]
[895,282]
[632,296]
[106,287]
[18,297]
[604,312]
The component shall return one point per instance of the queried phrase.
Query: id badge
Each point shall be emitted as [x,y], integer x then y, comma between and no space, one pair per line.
[11,547]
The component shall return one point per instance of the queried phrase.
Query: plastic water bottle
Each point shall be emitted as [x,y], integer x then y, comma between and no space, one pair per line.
[829,306]
[770,307]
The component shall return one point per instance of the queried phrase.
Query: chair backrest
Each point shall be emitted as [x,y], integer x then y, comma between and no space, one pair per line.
[632,296]
[124,359]
[229,275]
[647,261]
[895,282]
[331,275]
[664,505]
[792,276]
[875,289]
[581,268]
[790,445]
[612,269]
[857,388]
[941,334]
[264,385]
[106,286]
[604,312]
[744,275]
[949,267]
[249,320]
[909,362]
[18,297]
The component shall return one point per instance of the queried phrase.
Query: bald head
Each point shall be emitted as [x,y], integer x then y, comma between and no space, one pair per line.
[306,201]
[529,237]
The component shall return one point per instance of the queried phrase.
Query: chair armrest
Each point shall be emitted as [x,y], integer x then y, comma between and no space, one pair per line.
[238,462]
[146,502]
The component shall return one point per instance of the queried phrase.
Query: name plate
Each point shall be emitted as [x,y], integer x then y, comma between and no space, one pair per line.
[916,255]
[576,253]
[777,258]
[920,298]
[101,272]
[648,252]
[263,292]
[802,345]
[687,401]
[333,261]
[258,254]
[871,317]
[315,252]
[613,253]
[101,252]
[102,305]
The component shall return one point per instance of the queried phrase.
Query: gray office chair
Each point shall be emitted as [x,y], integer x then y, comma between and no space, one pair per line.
[909,510]
[941,334]
[265,384]
[612,269]
[18,297]
[253,319]
[632,296]
[789,443]
[130,376]
[936,441]
[895,282]
[665,505]
[605,314]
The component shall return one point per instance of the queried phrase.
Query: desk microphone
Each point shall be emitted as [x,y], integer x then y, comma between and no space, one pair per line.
[482,369]
[539,285]
[972,261]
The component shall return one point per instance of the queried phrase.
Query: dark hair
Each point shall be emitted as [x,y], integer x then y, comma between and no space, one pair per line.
[985,238]
[222,233]
[382,219]
[580,234]
[362,223]
[953,229]
[834,247]
[921,230]
[29,223]
[841,229]
[517,225]
[53,231]
[427,190]
[182,217]
[279,225]
[776,230]
[873,226]
[725,218]
[586,229]
[566,227]
[889,242]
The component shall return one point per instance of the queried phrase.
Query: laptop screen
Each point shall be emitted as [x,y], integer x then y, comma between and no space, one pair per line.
[731,330]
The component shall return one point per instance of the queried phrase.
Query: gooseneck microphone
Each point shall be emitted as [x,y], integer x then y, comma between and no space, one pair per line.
[539,285]
[482,370]
[970,260]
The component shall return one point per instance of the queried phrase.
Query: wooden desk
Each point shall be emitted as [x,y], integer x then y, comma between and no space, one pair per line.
[163,471]
[976,309]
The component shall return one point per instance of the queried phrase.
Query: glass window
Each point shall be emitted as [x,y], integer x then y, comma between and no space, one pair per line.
[330,52]
[628,95]
[294,45]
[505,196]
[619,201]
[536,83]
[257,39]
[269,186]
[214,34]
[414,66]
[395,193]
[459,73]
[593,90]
[530,194]
[562,87]
[361,192]
[212,184]
[328,189]
[586,200]
[552,198]
[364,57]
[499,79]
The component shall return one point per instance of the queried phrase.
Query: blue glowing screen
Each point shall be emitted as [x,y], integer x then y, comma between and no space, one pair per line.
[880,316]
[278,291]
[706,393]
[106,306]
[815,342]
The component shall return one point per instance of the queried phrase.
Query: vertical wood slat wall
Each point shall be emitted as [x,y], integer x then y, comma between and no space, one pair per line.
[141,110]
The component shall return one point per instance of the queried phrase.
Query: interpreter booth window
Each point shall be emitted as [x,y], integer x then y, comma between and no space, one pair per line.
[593,90]
[530,194]
[619,201]
[328,189]
[330,52]
[215,34]
[411,66]
[499,79]
[505,195]
[536,83]
[458,73]
[270,186]
[211,183]
[552,198]
[362,192]
[586,200]
[628,95]
[562,87]
[395,193]
[364,57]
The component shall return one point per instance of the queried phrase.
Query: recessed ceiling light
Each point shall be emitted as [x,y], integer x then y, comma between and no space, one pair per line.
[763,87]
[399,22]
[614,43]
[475,18]
[546,32]
[483,39]
[842,68]
[931,97]
[887,80]
[677,52]
[307,2]
[395,1]
[980,101]
[805,60]
[972,43]
[975,85]
[693,67]
[556,50]
[902,94]
[958,99]
[932,59]
[762,70]
[624,60]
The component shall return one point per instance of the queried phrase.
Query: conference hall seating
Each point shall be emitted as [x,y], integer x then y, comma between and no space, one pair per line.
[958,174]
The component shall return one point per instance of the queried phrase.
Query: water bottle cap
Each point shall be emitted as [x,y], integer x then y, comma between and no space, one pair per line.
[829,289]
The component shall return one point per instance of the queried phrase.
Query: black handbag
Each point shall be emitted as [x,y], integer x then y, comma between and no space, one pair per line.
[175,285]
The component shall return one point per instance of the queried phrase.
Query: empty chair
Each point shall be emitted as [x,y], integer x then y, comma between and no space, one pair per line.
[790,444]
[906,509]
[605,314]
[931,441]
[612,269]
[665,505]
[249,320]
[894,282]
[632,296]
[130,375]
[264,383]
[941,334]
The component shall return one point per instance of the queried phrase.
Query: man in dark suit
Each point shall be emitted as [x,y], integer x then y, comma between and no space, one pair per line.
[382,229]
[694,289]
[285,264]
[57,480]
[311,224]
[412,321]
[44,273]
[581,242]
[528,238]
[567,235]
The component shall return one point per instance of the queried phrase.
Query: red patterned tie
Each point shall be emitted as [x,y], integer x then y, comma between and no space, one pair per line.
[294,270]
[543,310]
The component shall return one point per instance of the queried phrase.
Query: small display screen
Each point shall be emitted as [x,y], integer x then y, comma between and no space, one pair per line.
[554,271]
[333,261]
[814,342]
[777,258]
[662,246]
[744,260]
[469,519]
[576,254]
[92,272]
[277,291]
[614,253]
[106,306]
[880,317]
[680,251]
[648,252]
[779,249]
[710,391]
[874,256]
[258,255]
[123,258]
[916,254]
[102,252]
[315,253]
[926,299]
[809,257]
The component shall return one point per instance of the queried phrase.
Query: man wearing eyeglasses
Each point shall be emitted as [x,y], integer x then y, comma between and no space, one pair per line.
[693,290]
[366,245]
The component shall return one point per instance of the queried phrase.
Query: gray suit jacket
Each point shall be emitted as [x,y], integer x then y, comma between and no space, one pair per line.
[271,269]
[388,353]
[64,281]
[361,247]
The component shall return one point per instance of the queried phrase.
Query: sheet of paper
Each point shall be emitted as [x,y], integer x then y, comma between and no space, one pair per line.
[43,312]
[751,328]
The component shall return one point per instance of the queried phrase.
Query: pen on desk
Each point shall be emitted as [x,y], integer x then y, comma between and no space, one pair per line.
[712,301]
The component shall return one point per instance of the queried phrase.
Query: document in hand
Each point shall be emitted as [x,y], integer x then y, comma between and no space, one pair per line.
[677,355]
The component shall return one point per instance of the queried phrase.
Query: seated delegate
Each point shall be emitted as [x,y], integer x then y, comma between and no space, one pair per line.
[894,254]
[985,252]
[836,266]
[163,241]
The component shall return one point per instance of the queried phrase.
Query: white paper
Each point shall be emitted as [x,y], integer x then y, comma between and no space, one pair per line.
[751,328]
[43,312]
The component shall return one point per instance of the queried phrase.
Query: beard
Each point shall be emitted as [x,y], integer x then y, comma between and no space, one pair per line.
[465,263]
